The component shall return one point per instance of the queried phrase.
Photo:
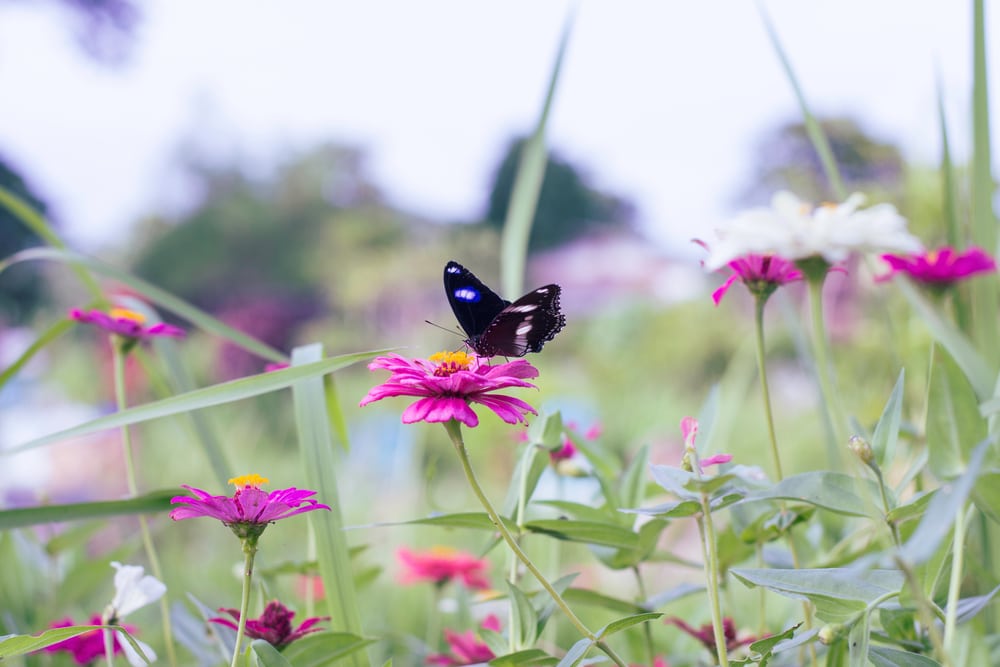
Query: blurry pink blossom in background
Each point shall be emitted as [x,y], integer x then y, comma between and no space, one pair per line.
[442,564]
[939,267]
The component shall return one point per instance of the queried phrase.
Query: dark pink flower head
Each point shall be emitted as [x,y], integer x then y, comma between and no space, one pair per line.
[762,274]
[939,268]
[125,323]
[465,648]
[273,626]
[250,509]
[564,452]
[657,662]
[706,634]
[448,382]
[691,462]
[87,647]
[442,564]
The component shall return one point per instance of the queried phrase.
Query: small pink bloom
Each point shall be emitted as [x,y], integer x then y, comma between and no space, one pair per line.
[441,565]
[717,459]
[449,382]
[87,647]
[762,274]
[657,662]
[125,323]
[276,366]
[689,429]
[706,634]
[273,626]
[466,649]
[594,432]
[940,267]
[564,452]
[250,509]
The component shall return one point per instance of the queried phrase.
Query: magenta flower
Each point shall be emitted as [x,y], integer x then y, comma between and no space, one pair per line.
[125,323]
[448,382]
[706,634]
[564,452]
[441,565]
[940,268]
[273,626]
[250,509]
[465,648]
[87,647]
[762,275]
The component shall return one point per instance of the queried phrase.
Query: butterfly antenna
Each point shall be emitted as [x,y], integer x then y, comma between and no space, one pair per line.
[438,326]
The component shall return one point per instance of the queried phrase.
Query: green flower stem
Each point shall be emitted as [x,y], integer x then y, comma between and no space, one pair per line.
[955,584]
[109,645]
[765,392]
[821,353]
[455,433]
[434,619]
[711,558]
[893,528]
[647,630]
[121,401]
[249,550]
[926,612]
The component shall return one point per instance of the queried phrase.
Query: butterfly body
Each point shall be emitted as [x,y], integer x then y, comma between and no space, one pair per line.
[495,326]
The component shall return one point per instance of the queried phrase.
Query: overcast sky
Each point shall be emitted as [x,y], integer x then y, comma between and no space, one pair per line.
[662,101]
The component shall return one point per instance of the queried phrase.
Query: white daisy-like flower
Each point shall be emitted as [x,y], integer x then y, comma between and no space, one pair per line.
[793,229]
[133,590]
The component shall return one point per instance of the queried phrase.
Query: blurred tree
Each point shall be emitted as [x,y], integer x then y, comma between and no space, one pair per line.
[785,159]
[104,29]
[568,207]
[21,287]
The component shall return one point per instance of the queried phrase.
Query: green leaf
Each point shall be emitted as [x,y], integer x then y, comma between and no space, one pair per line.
[619,559]
[833,491]
[883,656]
[913,509]
[633,485]
[474,520]
[857,641]
[528,185]
[226,392]
[887,430]
[939,519]
[528,471]
[586,596]
[603,514]
[317,454]
[266,655]
[50,334]
[531,657]
[325,648]
[575,654]
[954,424]
[839,594]
[588,532]
[156,501]
[969,608]
[525,619]
[15,645]
[627,622]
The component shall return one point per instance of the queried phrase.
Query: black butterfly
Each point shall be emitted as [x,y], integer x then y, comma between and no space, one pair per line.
[496,326]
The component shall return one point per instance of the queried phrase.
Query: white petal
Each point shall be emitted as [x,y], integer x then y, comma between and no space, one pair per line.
[134,658]
[133,590]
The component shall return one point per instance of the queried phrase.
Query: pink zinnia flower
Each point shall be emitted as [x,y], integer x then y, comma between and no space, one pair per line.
[466,649]
[249,510]
[87,647]
[273,626]
[125,323]
[657,662]
[448,382]
[941,267]
[442,564]
[762,274]
[706,634]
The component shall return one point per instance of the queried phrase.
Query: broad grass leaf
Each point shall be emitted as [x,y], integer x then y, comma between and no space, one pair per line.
[218,394]
[884,656]
[838,593]
[633,484]
[324,648]
[524,627]
[153,502]
[832,491]
[317,452]
[266,655]
[50,334]
[954,424]
[887,430]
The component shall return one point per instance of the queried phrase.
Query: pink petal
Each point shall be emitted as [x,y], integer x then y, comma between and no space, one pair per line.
[508,408]
[721,291]
[440,409]
[689,429]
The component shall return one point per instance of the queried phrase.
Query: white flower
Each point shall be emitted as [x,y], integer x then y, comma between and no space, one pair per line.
[133,590]
[792,229]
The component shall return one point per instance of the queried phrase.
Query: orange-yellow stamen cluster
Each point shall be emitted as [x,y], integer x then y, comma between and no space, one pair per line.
[449,363]
[253,480]
[126,314]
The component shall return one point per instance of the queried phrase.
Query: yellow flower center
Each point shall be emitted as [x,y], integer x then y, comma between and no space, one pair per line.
[126,314]
[449,363]
[253,480]
[443,551]
[932,256]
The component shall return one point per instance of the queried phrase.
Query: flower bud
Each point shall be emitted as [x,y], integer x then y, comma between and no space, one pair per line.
[862,449]
[830,633]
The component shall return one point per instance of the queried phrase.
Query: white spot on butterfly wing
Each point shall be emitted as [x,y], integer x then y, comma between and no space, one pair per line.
[467,294]
[526,308]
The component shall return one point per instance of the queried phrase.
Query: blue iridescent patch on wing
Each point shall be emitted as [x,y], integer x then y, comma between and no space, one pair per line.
[467,294]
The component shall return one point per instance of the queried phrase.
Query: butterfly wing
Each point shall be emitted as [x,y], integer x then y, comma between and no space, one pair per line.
[523,326]
[475,305]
